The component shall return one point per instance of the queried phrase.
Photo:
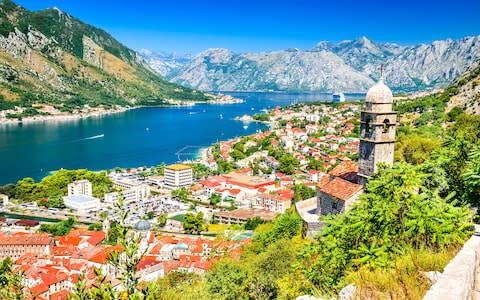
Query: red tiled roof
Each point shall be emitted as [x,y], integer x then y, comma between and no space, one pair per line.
[29,223]
[95,237]
[347,170]
[51,278]
[203,265]
[25,239]
[71,240]
[60,295]
[189,258]
[39,289]
[341,189]
[146,262]
[102,256]
[209,184]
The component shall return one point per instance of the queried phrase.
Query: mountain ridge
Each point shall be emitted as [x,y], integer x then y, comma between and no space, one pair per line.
[348,66]
[51,57]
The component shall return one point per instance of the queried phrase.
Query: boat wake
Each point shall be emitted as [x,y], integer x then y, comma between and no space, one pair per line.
[94,137]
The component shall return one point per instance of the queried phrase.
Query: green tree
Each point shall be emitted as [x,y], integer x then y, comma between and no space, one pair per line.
[253,223]
[11,283]
[181,194]
[215,199]
[397,212]
[162,219]
[302,192]
[227,280]
[95,226]
[58,229]
[150,215]
[193,224]
[288,164]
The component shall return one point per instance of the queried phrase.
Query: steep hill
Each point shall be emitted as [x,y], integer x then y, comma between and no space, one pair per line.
[467,92]
[348,66]
[51,57]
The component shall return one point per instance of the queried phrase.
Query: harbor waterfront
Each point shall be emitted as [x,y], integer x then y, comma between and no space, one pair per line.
[138,137]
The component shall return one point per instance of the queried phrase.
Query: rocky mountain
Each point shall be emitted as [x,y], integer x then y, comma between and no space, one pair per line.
[51,57]
[163,62]
[467,92]
[348,66]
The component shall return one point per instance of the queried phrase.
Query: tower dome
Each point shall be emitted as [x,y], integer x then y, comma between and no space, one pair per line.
[142,226]
[379,93]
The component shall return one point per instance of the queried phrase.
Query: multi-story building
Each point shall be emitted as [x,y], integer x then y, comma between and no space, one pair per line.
[241,215]
[80,187]
[16,245]
[135,193]
[272,202]
[178,175]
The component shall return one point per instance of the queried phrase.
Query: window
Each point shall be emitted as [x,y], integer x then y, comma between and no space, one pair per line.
[334,205]
[368,126]
[386,125]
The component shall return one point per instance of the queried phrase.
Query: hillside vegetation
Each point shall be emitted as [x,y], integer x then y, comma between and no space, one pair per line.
[51,57]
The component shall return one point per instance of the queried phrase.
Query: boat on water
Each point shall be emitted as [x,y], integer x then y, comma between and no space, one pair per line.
[245,126]
[221,116]
[338,97]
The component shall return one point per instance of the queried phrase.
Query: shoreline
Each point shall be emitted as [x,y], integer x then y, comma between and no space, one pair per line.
[101,113]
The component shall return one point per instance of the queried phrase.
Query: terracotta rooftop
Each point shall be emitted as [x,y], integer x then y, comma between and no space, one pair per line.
[347,170]
[251,182]
[341,189]
[247,213]
[26,239]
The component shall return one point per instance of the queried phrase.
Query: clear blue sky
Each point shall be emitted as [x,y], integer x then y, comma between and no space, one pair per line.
[256,25]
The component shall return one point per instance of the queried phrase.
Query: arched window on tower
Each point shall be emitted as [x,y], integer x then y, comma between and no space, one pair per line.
[368,126]
[386,125]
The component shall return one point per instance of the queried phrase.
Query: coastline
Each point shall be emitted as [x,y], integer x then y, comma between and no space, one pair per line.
[60,117]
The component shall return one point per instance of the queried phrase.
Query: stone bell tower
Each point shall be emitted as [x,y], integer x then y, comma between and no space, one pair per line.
[377,131]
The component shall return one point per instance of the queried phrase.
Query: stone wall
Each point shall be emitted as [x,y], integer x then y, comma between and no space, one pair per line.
[307,211]
[458,280]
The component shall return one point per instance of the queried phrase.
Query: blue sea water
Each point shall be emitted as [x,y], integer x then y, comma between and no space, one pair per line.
[139,137]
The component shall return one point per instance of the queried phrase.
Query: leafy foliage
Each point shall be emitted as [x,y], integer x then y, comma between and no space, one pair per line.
[52,188]
[58,229]
[302,192]
[397,212]
[193,223]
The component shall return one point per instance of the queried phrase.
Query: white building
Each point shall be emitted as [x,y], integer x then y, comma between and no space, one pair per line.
[177,176]
[156,180]
[81,203]
[338,97]
[136,193]
[80,187]
[4,199]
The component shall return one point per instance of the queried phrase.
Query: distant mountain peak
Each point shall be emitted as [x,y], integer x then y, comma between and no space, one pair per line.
[349,65]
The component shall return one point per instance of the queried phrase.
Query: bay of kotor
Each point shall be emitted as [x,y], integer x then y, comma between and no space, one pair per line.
[138,137]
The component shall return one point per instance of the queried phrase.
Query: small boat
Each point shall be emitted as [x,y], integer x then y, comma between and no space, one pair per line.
[245,127]
[221,116]
[253,108]
[147,129]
